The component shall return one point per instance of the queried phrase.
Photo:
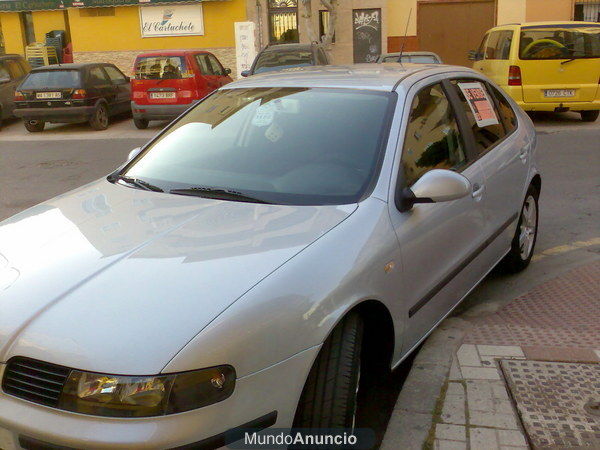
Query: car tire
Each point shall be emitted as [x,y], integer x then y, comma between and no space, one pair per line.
[99,120]
[589,116]
[34,126]
[523,243]
[329,397]
[141,124]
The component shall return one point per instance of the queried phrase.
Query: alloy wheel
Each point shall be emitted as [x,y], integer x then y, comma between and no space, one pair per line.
[528,227]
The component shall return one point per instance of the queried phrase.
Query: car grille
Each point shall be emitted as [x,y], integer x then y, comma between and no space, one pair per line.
[34,380]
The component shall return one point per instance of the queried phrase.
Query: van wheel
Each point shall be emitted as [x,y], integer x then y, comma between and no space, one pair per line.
[329,397]
[589,116]
[141,124]
[523,243]
[99,120]
[34,126]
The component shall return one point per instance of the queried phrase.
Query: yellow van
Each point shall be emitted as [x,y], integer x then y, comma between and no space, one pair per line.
[545,66]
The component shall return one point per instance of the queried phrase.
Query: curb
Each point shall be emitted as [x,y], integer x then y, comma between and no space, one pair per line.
[412,417]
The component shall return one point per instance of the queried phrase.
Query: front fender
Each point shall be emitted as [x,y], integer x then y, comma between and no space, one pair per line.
[297,306]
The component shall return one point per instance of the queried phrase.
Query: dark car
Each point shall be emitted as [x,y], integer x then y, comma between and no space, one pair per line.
[285,56]
[13,68]
[72,93]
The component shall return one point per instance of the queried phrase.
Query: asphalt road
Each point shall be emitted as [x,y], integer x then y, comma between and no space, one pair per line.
[37,167]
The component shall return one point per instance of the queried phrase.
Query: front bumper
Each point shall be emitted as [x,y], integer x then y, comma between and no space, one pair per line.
[256,396]
[560,106]
[65,114]
[158,112]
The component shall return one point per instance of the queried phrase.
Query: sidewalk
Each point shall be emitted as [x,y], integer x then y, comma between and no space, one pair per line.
[526,376]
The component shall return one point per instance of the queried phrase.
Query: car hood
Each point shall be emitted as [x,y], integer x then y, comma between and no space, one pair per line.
[117,280]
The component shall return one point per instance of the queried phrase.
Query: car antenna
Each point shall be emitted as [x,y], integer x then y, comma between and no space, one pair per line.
[405,34]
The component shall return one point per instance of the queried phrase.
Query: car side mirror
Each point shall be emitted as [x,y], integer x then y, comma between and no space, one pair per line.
[133,153]
[436,186]
[227,71]
[245,73]
[473,55]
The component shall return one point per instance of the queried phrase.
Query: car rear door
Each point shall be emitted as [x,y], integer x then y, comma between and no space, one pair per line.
[440,242]
[102,88]
[122,88]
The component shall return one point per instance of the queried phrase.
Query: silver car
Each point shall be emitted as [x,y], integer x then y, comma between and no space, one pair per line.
[254,263]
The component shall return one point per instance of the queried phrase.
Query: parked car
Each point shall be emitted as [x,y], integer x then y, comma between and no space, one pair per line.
[410,57]
[287,56]
[545,66]
[72,93]
[261,258]
[167,82]
[13,68]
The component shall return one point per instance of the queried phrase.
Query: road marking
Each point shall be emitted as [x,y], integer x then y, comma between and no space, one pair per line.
[566,248]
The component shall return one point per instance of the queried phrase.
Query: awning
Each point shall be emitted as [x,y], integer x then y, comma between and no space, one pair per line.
[41,5]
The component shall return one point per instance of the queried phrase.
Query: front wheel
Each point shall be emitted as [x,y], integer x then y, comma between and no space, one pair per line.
[523,243]
[99,120]
[589,116]
[34,126]
[329,397]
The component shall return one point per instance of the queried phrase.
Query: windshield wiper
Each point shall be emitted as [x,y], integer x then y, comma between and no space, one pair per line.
[217,193]
[569,60]
[137,182]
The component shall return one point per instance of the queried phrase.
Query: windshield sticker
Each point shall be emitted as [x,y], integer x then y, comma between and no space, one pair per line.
[480,104]
[274,133]
[264,115]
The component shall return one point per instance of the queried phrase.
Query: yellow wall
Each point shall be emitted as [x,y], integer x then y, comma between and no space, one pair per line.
[12,32]
[45,21]
[539,10]
[122,31]
[398,11]
[511,11]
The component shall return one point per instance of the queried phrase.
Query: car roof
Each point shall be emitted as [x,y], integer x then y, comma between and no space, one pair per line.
[68,66]
[411,54]
[171,53]
[285,47]
[380,77]
[512,26]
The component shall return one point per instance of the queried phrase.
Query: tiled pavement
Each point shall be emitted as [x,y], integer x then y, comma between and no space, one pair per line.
[544,407]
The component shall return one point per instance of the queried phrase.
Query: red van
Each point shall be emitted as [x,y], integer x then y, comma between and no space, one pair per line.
[166,83]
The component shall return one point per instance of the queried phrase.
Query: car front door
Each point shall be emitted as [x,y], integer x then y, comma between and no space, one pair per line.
[122,86]
[222,77]
[98,80]
[211,78]
[440,242]
[503,151]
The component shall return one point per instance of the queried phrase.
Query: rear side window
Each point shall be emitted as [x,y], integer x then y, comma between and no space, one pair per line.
[52,79]
[97,77]
[433,139]
[115,75]
[160,68]
[481,113]
[277,60]
[506,113]
[498,45]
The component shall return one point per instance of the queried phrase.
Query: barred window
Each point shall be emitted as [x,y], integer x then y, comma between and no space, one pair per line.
[283,21]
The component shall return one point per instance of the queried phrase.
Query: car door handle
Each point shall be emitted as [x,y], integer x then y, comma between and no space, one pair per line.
[477,190]
[523,153]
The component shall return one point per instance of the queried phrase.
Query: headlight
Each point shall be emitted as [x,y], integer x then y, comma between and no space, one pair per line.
[145,396]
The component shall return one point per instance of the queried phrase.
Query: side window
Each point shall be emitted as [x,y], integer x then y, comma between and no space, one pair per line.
[507,114]
[481,49]
[481,113]
[204,64]
[498,45]
[433,139]
[4,74]
[217,68]
[115,75]
[97,77]
[322,57]
[489,51]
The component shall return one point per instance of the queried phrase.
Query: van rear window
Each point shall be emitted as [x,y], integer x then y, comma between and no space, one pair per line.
[67,79]
[560,42]
[160,68]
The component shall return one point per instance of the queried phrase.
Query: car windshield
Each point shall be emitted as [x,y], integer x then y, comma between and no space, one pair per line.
[52,79]
[281,145]
[560,42]
[160,68]
[277,60]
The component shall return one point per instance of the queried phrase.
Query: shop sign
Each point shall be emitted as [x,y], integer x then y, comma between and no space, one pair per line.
[171,20]
[40,5]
